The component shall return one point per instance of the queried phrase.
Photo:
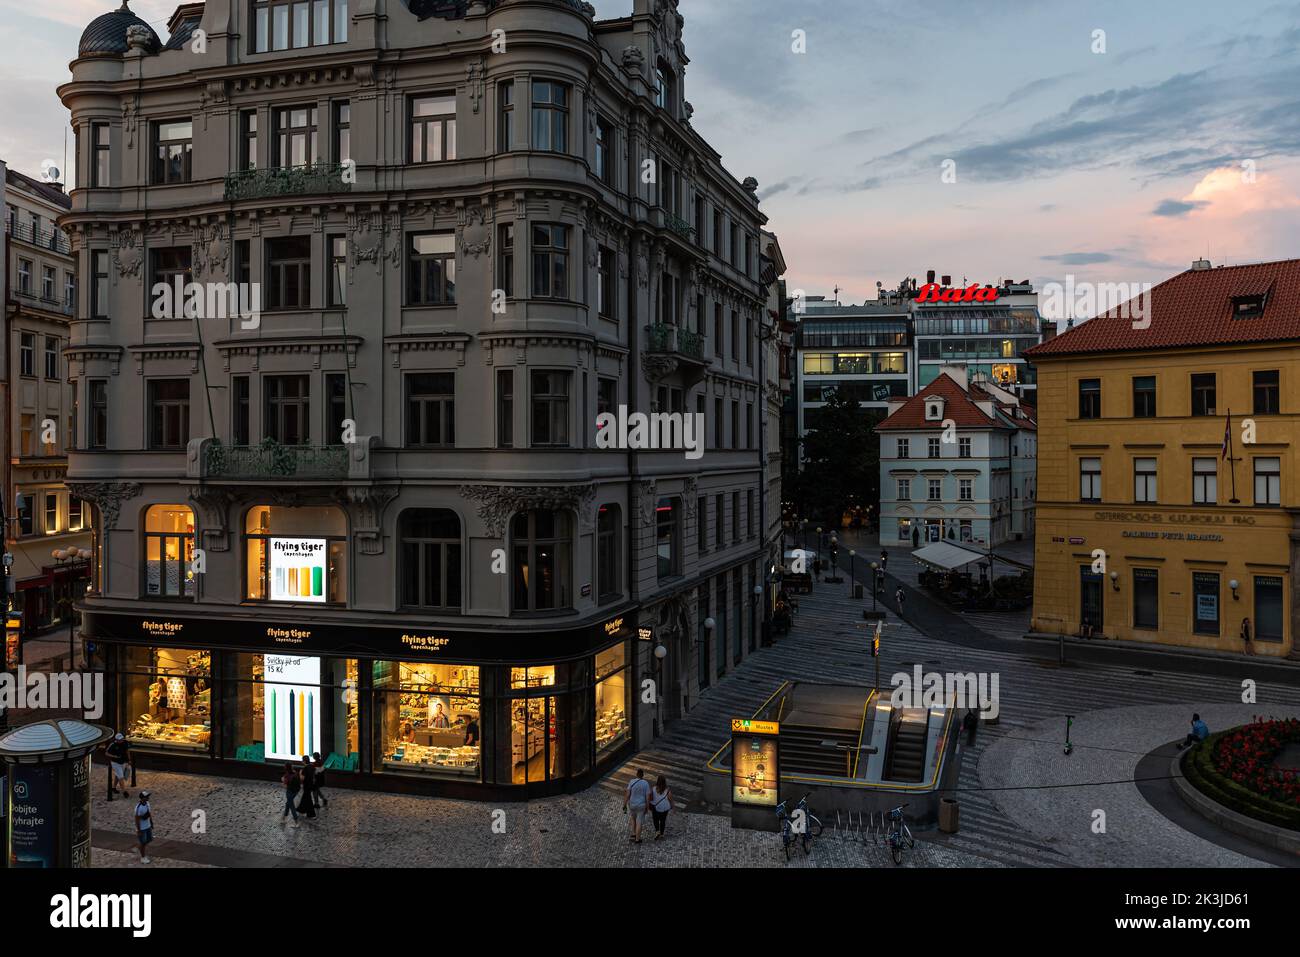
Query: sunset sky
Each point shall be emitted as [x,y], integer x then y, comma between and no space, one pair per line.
[1121,166]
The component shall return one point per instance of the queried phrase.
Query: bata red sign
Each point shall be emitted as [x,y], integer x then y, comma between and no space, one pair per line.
[933,292]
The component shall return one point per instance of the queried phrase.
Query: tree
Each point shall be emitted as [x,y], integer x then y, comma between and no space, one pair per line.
[841,460]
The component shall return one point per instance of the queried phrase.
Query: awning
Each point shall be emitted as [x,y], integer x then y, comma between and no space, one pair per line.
[947,556]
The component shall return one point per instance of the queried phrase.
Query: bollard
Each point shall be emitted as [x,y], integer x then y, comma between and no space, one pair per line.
[949,815]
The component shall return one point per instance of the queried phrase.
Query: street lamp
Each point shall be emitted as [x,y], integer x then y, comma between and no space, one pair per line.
[853,554]
[874,590]
[660,653]
[70,555]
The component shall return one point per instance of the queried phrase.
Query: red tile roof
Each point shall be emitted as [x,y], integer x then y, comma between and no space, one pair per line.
[1193,308]
[957,406]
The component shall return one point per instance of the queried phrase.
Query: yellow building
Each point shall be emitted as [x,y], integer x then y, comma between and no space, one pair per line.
[1157,522]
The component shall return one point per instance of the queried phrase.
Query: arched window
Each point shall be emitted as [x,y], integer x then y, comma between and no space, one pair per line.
[665,87]
[542,572]
[430,573]
[296,554]
[608,567]
[168,551]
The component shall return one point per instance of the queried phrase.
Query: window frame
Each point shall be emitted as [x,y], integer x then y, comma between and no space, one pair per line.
[160,166]
[449,548]
[420,127]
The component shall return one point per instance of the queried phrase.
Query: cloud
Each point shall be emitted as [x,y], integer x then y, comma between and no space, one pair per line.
[1079,259]
[1175,207]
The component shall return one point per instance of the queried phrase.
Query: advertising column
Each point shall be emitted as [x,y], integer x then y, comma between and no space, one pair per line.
[755,773]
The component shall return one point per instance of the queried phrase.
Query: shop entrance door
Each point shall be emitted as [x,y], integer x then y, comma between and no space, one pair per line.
[1091,599]
[539,753]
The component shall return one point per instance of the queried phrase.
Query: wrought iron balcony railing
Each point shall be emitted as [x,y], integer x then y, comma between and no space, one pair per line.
[286,181]
[271,460]
[53,239]
[680,226]
[668,338]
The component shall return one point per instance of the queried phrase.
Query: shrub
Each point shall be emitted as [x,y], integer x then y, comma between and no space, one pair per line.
[1199,767]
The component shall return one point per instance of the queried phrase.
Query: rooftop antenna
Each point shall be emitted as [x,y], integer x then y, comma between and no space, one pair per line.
[837,294]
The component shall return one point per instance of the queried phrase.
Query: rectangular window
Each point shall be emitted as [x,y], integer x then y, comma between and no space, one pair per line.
[27,434]
[27,354]
[750,518]
[607,284]
[605,151]
[506,263]
[281,24]
[47,283]
[431,410]
[550,409]
[239,418]
[25,276]
[735,335]
[69,291]
[1144,481]
[1205,481]
[101,156]
[963,448]
[173,151]
[1205,603]
[505,408]
[76,519]
[718,426]
[99,284]
[1090,480]
[668,298]
[717,329]
[749,341]
[1268,481]
[1090,398]
[248,139]
[735,517]
[735,424]
[287,409]
[169,413]
[668,537]
[98,421]
[550,261]
[51,357]
[506,119]
[702,524]
[296,137]
[904,490]
[1204,393]
[243,267]
[904,447]
[935,490]
[342,132]
[1146,598]
[609,581]
[1268,394]
[550,116]
[26,514]
[431,269]
[336,407]
[933,449]
[1270,609]
[749,425]
[338,272]
[966,488]
[719,520]
[167,266]
[606,396]
[1144,397]
[433,129]
[51,513]
[288,273]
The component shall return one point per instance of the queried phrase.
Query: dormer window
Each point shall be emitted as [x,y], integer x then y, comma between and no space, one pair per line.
[1246,307]
[294,24]
[665,87]
[934,410]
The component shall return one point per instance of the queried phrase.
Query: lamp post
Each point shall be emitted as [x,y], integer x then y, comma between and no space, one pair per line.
[853,554]
[661,652]
[70,555]
[874,589]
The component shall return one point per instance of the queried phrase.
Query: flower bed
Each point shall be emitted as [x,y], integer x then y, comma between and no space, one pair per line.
[1235,768]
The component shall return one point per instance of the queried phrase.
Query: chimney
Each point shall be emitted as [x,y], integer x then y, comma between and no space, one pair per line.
[1200,264]
[929,275]
[947,280]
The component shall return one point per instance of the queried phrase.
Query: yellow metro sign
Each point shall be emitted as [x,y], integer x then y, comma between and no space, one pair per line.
[749,726]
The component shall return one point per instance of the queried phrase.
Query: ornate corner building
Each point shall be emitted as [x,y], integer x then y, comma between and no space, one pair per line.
[349,493]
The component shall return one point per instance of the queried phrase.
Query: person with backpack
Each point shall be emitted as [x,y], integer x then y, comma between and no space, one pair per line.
[119,759]
[661,802]
[318,781]
[307,804]
[1200,731]
[144,825]
[292,784]
[971,724]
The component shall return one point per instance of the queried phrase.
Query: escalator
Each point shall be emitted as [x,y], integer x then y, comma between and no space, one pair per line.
[802,751]
[909,733]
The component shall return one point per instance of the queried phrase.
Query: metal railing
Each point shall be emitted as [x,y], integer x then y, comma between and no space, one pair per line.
[286,181]
[679,226]
[44,302]
[52,239]
[663,337]
[271,460]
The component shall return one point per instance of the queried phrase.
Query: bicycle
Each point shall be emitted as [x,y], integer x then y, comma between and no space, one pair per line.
[900,835]
[812,826]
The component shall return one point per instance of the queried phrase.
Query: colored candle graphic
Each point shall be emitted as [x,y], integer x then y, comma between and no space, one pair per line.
[292,718]
[279,582]
[302,727]
[275,724]
[292,737]
[311,723]
[317,581]
[293,580]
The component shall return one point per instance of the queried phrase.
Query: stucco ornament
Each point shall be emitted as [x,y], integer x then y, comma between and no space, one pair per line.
[498,503]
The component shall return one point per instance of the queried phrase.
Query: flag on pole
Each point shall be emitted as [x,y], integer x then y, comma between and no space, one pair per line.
[1227,438]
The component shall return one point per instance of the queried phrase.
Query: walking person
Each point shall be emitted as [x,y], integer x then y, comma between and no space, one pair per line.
[971,724]
[119,759]
[661,802]
[291,783]
[899,597]
[144,825]
[1245,636]
[634,804]
[884,559]
[318,781]
[307,804]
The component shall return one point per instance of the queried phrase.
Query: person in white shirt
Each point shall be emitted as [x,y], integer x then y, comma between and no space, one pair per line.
[661,802]
[144,824]
[634,805]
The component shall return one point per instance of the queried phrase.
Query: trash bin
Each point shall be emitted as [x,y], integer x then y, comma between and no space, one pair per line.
[949,815]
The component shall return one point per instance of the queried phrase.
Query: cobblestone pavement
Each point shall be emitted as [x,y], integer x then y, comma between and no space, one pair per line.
[1030,826]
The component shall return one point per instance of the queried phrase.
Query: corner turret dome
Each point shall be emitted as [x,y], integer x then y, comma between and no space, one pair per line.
[107,35]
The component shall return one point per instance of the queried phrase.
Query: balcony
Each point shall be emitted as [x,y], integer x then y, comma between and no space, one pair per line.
[44,303]
[670,348]
[272,461]
[679,226]
[52,239]
[322,178]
